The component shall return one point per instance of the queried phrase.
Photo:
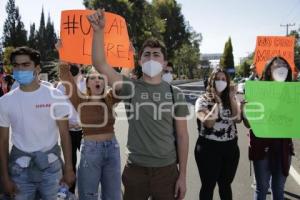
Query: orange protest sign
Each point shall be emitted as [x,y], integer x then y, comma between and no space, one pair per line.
[76,36]
[270,46]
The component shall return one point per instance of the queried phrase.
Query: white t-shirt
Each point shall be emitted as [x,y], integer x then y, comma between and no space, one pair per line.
[81,84]
[17,84]
[32,117]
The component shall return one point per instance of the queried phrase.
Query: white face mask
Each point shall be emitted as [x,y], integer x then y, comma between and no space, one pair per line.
[168,77]
[280,74]
[152,68]
[220,85]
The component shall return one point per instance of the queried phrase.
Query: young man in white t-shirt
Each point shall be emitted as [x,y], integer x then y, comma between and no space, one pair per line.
[37,115]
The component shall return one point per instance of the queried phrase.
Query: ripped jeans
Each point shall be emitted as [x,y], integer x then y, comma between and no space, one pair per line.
[99,164]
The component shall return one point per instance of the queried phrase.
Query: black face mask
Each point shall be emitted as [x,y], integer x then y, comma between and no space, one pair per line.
[74,70]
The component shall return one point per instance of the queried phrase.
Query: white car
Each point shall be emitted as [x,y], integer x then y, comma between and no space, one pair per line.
[241,86]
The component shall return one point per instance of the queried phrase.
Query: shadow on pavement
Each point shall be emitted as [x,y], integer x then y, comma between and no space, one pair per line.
[291,195]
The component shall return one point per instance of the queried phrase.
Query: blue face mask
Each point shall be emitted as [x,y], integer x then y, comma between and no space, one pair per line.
[23,77]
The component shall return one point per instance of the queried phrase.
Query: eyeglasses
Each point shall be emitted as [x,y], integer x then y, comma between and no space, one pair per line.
[168,71]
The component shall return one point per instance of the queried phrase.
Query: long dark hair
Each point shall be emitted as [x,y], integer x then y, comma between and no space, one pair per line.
[211,86]
[267,74]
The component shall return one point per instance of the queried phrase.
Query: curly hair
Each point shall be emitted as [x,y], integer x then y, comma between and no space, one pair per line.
[153,43]
[33,54]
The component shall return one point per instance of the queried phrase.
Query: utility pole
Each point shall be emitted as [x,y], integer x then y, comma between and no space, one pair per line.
[287,27]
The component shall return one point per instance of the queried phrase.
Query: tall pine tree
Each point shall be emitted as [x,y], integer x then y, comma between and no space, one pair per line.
[227,60]
[32,40]
[144,23]
[50,40]
[41,37]
[14,33]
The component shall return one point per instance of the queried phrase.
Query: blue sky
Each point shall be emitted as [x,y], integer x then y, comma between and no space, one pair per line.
[217,20]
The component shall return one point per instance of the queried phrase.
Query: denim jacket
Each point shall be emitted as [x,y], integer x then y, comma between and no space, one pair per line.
[38,162]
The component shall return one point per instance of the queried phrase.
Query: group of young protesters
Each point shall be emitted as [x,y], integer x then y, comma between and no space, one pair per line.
[82,112]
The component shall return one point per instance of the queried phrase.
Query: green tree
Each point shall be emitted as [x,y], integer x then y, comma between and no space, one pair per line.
[6,59]
[227,60]
[176,32]
[120,7]
[14,33]
[161,19]
[204,69]
[41,37]
[297,47]
[50,67]
[46,39]
[244,69]
[32,40]
[186,60]
[50,40]
[1,53]
[144,23]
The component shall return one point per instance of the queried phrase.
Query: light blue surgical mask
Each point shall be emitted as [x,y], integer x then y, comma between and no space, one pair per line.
[23,77]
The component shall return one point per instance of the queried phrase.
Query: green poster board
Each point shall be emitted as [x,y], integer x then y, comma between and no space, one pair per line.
[273,108]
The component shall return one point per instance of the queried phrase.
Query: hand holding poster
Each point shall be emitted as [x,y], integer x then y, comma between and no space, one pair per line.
[273,108]
[270,46]
[76,35]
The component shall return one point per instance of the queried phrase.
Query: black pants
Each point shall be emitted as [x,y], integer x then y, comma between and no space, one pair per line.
[217,163]
[76,141]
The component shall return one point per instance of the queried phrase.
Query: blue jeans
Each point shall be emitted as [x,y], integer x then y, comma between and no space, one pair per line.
[47,188]
[263,175]
[99,164]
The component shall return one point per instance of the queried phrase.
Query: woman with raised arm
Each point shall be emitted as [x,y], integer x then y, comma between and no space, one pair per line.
[217,153]
[100,153]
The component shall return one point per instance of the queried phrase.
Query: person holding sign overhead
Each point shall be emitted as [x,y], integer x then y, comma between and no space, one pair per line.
[271,156]
[100,153]
[151,169]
